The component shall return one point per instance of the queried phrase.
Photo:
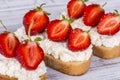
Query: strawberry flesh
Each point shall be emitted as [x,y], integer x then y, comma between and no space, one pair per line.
[58,30]
[30,55]
[75,8]
[39,19]
[93,14]
[109,24]
[8,44]
[78,40]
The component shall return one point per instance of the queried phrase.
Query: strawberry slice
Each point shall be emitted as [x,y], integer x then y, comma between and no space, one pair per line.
[8,44]
[109,24]
[78,40]
[29,54]
[75,8]
[58,30]
[38,17]
[93,14]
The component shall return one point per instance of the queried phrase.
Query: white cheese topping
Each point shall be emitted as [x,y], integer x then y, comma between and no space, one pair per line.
[12,68]
[104,40]
[60,51]
[79,24]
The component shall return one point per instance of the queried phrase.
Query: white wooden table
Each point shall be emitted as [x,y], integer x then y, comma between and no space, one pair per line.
[12,11]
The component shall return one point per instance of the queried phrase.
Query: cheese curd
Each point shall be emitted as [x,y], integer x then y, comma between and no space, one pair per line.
[11,67]
[60,51]
[104,40]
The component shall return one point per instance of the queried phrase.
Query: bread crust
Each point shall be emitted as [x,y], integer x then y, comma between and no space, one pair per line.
[70,68]
[5,77]
[106,52]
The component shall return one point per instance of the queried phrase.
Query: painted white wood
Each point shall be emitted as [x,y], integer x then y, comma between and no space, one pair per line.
[12,11]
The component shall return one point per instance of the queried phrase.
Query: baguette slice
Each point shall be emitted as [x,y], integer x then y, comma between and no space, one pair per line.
[106,52]
[5,77]
[70,68]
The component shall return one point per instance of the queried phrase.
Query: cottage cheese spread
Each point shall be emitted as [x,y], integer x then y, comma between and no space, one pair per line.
[21,35]
[60,51]
[104,40]
[11,67]
[80,24]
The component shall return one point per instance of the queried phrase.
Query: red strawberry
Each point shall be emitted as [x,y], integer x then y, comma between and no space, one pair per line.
[8,44]
[29,54]
[75,8]
[39,19]
[78,40]
[58,30]
[93,14]
[109,24]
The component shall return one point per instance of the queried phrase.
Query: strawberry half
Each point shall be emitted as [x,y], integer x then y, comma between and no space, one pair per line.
[75,8]
[29,54]
[58,30]
[93,14]
[8,44]
[78,40]
[109,24]
[38,17]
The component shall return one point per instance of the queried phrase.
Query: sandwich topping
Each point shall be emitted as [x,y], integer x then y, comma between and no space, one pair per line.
[11,67]
[57,49]
[107,31]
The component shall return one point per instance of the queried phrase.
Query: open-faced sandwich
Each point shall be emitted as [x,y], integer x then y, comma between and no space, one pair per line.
[106,36]
[22,59]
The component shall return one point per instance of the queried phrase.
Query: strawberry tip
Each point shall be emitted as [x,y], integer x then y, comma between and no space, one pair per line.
[30,26]
[42,5]
[6,30]
[104,4]
[70,20]
[47,13]
[39,8]
[116,12]
[38,39]
[84,0]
